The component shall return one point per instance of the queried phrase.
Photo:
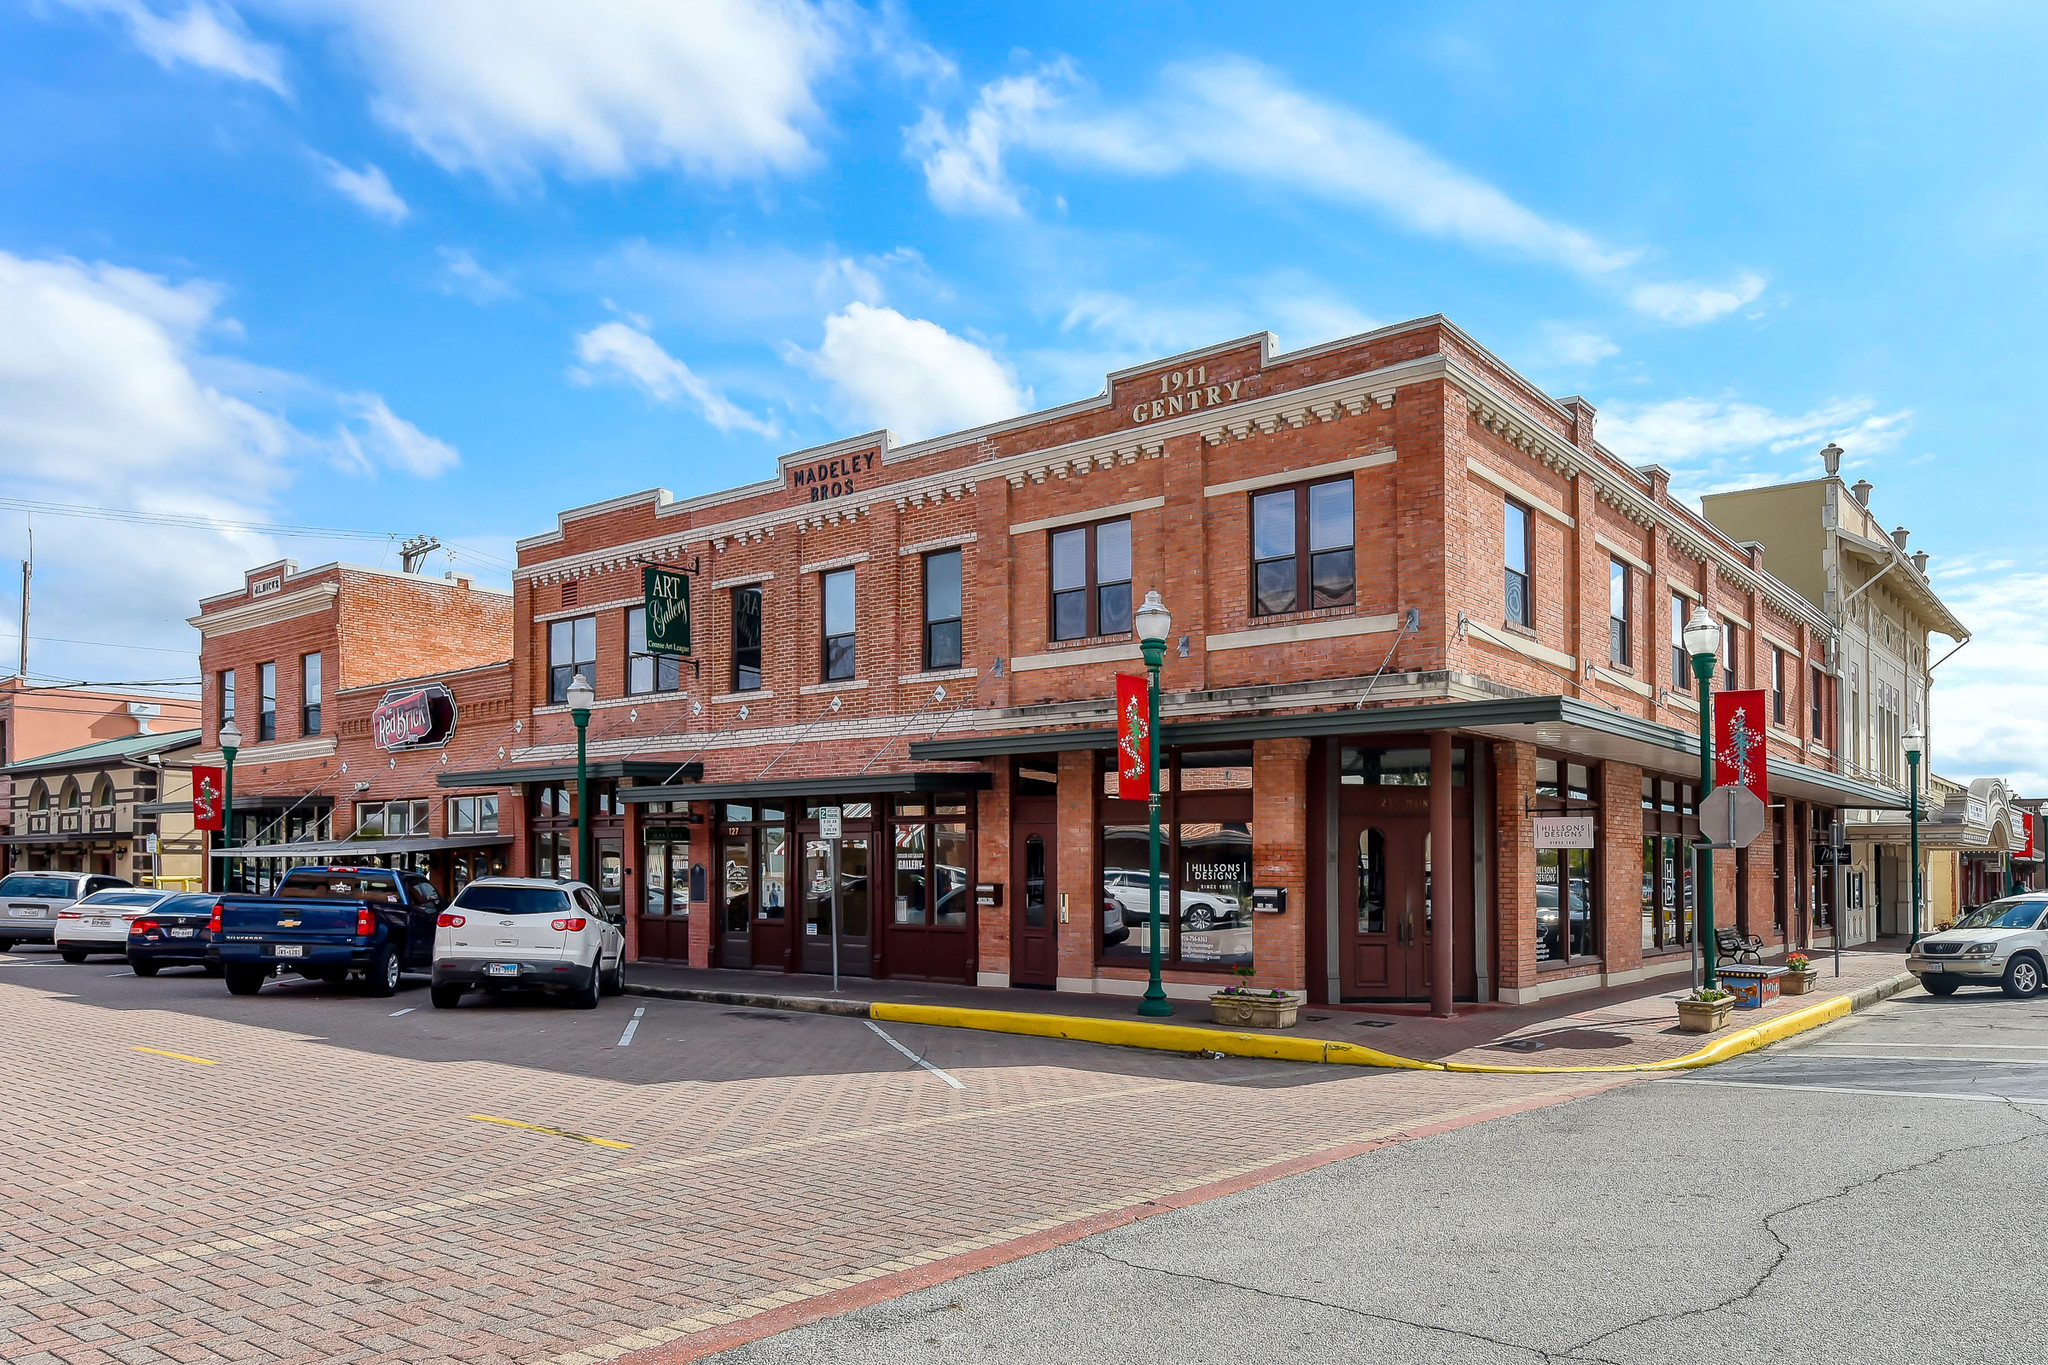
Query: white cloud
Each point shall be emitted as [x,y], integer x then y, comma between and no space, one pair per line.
[1988,716]
[462,273]
[370,188]
[911,375]
[631,354]
[382,438]
[1688,305]
[1569,348]
[1678,432]
[759,288]
[514,88]
[209,36]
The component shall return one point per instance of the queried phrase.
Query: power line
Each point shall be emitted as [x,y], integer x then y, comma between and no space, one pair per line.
[100,644]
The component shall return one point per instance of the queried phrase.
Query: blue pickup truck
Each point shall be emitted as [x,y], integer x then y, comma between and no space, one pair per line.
[328,924]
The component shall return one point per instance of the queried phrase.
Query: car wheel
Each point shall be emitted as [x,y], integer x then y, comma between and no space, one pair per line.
[6,944]
[382,978]
[614,981]
[1201,918]
[72,955]
[2023,978]
[145,968]
[246,980]
[445,997]
[585,997]
[1937,987]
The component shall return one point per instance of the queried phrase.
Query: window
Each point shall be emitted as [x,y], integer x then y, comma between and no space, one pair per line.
[1617,613]
[309,694]
[1729,672]
[472,815]
[1566,907]
[932,884]
[746,639]
[390,819]
[572,649]
[1518,551]
[1669,823]
[1091,580]
[227,693]
[266,714]
[1284,579]
[837,590]
[1206,868]
[942,610]
[1777,687]
[648,672]
[1681,665]
[1817,716]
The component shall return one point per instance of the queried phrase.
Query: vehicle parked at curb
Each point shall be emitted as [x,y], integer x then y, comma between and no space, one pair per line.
[527,933]
[2004,944]
[30,902]
[173,934]
[99,923]
[328,924]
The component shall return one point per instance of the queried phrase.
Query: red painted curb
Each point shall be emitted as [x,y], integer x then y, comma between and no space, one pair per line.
[712,1340]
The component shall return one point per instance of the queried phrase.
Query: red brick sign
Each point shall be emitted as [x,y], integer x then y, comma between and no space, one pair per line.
[1739,731]
[206,798]
[414,718]
[1133,739]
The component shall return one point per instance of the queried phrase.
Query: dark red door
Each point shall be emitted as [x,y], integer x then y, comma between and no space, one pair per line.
[1034,932]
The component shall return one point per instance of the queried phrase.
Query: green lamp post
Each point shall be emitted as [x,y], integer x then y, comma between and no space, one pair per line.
[1153,622]
[1702,638]
[581,694]
[1915,737]
[230,741]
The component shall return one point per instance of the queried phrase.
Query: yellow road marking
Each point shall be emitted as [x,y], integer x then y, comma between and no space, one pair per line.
[555,1132]
[196,1061]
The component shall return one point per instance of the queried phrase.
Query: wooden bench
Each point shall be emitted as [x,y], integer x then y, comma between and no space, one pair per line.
[1733,947]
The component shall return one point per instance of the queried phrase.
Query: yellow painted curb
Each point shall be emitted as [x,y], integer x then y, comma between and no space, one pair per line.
[1720,1050]
[1138,1033]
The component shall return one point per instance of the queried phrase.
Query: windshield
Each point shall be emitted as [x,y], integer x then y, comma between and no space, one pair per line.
[50,888]
[309,884]
[2003,915]
[188,905]
[512,900]
[128,898]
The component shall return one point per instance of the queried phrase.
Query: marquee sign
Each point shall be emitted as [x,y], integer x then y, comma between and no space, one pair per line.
[421,717]
[666,595]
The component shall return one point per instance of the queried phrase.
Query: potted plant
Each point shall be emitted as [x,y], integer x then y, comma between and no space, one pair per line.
[1704,1010]
[1247,1006]
[1800,974]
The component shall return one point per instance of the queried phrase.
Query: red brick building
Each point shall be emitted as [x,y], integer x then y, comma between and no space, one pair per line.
[304,660]
[1416,606]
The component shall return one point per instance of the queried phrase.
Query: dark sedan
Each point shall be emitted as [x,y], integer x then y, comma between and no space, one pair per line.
[174,934]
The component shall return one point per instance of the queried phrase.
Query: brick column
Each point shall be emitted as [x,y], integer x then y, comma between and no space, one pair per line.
[703,849]
[992,861]
[1444,902]
[1620,870]
[1080,882]
[1514,906]
[1280,858]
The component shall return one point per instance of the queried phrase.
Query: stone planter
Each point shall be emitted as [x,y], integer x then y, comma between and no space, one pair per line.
[1798,983]
[1254,1011]
[1703,1016]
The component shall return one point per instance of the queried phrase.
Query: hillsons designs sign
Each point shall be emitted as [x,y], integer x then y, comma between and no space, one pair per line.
[831,478]
[420,717]
[666,594]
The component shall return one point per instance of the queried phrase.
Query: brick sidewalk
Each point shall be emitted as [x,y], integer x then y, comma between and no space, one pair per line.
[1614,1026]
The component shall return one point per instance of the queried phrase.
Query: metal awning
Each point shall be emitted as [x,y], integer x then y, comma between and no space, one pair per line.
[598,770]
[343,848]
[76,837]
[848,784]
[1578,727]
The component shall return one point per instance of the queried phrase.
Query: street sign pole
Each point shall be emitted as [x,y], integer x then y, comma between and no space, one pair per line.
[1841,890]
[828,832]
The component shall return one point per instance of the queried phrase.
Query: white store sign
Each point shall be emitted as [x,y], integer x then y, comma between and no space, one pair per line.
[1564,831]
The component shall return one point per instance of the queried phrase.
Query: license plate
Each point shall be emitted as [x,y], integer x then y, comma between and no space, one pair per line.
[508,943]
[181,933]
[290,950]
[502,969]
[100,923]
[27,911]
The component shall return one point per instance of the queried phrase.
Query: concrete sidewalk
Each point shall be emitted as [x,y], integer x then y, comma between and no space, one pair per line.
[1632,1025]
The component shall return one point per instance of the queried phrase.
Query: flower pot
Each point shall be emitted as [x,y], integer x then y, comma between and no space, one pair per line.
[1798,983]
[1254,1011]
[1703,1016]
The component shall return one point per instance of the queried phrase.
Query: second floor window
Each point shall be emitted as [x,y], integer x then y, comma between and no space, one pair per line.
[1681,662]
[1314,517]
[309,694]
[390,819]
[1617,613]
[1777,687]
[572,649]
[1729,672]
[1091,580]
[746,639]
[648,672]
[836,588]
[266,711]
[227,693]
[1519,551]
[942,610]
[473,815]
[1818,721]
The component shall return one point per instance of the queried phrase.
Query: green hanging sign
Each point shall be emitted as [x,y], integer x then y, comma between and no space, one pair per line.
[668,610]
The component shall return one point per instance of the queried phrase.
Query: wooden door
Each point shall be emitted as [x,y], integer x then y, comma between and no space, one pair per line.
[1382,925]
[664,914]
[1034,932]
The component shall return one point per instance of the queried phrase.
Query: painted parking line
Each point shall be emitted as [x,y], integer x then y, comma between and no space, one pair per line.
[914,1057]
[407,1010]
[180,1056]
[112,975]
[1852,1090]
[626,1038]
[553,1132]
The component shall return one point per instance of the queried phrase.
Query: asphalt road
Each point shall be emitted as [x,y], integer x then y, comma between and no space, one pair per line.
[1866,1194]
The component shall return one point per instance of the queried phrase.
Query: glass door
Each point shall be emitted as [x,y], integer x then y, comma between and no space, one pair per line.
[840,903]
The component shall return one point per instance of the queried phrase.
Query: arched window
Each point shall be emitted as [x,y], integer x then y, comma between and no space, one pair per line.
[39,799]
[70,793]
[103,791]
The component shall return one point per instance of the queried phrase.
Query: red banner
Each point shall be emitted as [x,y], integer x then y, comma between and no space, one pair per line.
[206,798]
[1133,739]
[2025,841]
[1739,731]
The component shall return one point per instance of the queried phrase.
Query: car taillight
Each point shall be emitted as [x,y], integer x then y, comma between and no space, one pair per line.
[365,926]
[70,914]
[144,926]
[448,921]
[213,923]
[572,925]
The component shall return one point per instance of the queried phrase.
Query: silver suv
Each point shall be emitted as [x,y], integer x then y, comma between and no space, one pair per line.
[2000,944]
[30,901]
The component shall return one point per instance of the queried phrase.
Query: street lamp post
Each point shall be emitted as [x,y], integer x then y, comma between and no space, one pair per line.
[1702,638]
[1915,737]
[581,694]
[230,741]
[1153,623]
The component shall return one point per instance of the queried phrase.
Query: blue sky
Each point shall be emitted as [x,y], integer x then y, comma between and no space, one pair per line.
[394,267]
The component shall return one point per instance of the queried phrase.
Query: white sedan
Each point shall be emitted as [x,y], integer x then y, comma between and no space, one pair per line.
[99,923]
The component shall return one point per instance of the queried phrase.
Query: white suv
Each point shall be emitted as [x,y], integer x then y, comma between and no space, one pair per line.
[527,933]
[2001,944]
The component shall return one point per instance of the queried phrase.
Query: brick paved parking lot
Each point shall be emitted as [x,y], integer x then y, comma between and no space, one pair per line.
[301,1175]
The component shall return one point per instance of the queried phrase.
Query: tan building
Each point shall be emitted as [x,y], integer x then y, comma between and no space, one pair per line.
[1821,538]
[120,807]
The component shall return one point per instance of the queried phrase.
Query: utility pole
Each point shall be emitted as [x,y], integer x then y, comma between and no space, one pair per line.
[28,572]
[414,552]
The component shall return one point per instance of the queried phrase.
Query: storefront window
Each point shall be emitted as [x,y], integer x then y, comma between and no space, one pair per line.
[1214,893]
[931,874]
[738,858]
[1205,864]
[1667,892]
[1362,767]
[1127,891]
[1566,901]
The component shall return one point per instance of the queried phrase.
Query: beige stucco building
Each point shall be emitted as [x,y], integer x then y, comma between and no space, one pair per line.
[122,807]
